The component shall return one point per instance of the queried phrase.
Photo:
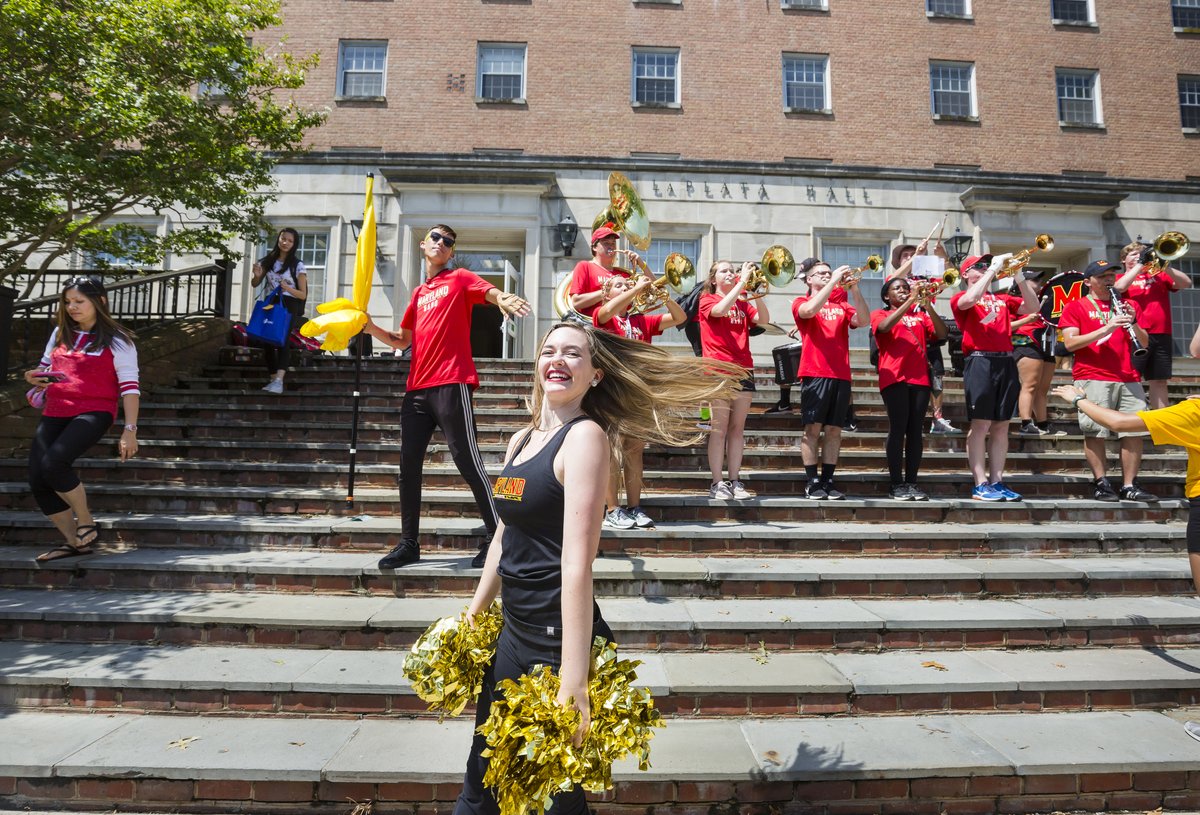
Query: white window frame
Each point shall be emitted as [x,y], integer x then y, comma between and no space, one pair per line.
[973,104]
[317,273]
[480,74]
[342,69]
[1097,107]
[965,14]
[826,103]
[638,51]
[1192,92]
[656,255]
[1184,4]
[804,5]
[1090,21]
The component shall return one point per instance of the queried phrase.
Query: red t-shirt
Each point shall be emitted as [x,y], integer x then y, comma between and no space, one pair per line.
[902,350]
[728,337]
[589,276]
[1108,359]
[634,326]
[439,317]
[1030,328]
[1152,294]
[825,338]
[987,326]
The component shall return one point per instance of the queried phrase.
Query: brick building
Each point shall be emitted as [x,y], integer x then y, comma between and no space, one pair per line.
[838,129]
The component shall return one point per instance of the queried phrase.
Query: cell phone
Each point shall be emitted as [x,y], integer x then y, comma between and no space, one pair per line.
[53,376]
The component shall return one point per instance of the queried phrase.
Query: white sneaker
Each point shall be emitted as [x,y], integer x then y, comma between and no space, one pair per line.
[739,491]
[617,519]
[1192,729]
[274,386]
[942,426]
[721,491]
[640,519]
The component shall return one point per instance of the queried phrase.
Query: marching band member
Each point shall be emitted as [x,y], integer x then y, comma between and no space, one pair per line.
[589,275]
[902,267]
[441,377]
[1151,291]
[1035,368]
[613,316]
[824,322]
[903,332]
[725,320]
[989,373]
[1098,333]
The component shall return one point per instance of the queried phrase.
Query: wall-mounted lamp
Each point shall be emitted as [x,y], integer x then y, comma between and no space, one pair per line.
[567,231]
[356,226]
[958,246]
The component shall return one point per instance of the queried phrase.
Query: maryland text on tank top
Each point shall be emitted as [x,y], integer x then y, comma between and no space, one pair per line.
[529,499]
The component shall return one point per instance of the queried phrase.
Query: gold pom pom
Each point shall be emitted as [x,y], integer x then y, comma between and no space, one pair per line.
[529,734]
[446,664]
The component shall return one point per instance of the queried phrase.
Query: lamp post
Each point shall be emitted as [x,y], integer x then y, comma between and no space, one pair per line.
[567,231]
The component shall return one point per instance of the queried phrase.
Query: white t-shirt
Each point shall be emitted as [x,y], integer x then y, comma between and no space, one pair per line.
[276,276]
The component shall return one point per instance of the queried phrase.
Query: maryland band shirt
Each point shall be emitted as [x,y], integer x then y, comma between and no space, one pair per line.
[825,338]
[439,317]
[1108,359]
[587,277]
[727,338]
[987,326]
[902,350]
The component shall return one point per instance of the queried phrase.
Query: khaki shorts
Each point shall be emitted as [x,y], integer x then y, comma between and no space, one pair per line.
[1127,397]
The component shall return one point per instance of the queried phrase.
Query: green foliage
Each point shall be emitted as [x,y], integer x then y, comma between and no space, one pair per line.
[107,106]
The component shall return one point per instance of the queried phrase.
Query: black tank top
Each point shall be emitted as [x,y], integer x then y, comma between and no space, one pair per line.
[529,499]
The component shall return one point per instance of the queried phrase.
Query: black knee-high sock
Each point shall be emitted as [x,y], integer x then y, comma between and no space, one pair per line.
[811,471]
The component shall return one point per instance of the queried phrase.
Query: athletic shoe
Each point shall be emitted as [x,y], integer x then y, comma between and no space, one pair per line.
[985,492]
[900,492]
[1132,492]
[815,491]
[941,426]
[1192,729]
[1009,495]
[779,408]
[406,552]
[739,491]
[617,519]
[851,426]
[480,558]
[831,493]
[721,491]
[1046,431]
[274,386]
[1104,490]
[703,426]
[640,519]
[1030,429]
[917,493]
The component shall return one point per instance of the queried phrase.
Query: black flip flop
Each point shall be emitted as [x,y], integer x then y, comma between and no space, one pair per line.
[64,551]
[83,531]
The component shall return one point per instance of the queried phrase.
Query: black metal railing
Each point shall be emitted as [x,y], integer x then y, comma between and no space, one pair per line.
[136,302]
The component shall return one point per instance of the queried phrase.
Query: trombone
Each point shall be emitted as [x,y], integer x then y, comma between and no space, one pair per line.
[777,268]
[874,264]
[1042,243]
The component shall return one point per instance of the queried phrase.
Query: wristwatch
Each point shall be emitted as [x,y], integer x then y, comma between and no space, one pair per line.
[1075,402]
[132,428]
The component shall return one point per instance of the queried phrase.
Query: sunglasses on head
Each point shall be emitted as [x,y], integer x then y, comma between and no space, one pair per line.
[84,282]
[446,241]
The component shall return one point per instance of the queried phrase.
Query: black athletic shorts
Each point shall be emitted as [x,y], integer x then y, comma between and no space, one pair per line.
[992,385]
[824,400]
[1032,352]
[1193,527]
[1156,364]
[748,384]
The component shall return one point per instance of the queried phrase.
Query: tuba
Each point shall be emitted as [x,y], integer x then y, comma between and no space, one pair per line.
[679,275]
[777,268]
[626,212]
[1042,243]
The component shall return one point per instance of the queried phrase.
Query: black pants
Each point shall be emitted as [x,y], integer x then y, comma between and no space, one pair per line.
[278,359]
[447,407]
[517,651]
[906,406]
[56,444]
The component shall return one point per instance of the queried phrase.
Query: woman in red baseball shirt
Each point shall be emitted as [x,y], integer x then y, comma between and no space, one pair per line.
[725,321]
[89,365]
[1035,367]
[903,335]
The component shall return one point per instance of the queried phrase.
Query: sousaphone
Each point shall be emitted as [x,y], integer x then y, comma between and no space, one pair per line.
[626,212]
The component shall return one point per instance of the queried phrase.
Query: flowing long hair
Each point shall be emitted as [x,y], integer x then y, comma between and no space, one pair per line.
[276,254]
[646,393]
[106,329]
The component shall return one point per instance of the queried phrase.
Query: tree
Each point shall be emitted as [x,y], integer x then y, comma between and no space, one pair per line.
[108,107]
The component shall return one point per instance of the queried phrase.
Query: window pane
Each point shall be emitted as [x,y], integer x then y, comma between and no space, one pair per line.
[362,69]
[950,87]
[1076,99]
[501,69]
[1189,101]
[1072,10]
[804,83]
[956,7]
[654,77]
[1185,13]
[855,255]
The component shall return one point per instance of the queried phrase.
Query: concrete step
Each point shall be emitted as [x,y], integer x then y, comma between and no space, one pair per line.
[1007,762]
[645,623]
[264,681]
[325,572]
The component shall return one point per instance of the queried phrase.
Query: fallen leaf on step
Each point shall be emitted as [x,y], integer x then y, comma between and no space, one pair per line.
[937,666]
[932,729]
[182,743]
[1059,665]
[785,619]
[762,657]
[296,743]
[772,757]
[719,611]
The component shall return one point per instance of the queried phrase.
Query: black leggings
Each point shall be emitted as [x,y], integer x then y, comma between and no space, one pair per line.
[906,406]
[56,444]
[277,359]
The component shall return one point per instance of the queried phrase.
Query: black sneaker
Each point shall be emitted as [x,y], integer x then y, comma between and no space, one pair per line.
[1104,490]
[406,552]
[831,493]
[900,492]
[480,558]
[1030,429]
[815,491]
[1133,492]
[782,407]
[916,493]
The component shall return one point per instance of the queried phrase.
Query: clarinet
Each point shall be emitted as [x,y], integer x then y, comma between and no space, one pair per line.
[1139,350]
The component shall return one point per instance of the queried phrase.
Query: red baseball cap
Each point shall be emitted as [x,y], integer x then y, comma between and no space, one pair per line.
[971,261]
[603,232]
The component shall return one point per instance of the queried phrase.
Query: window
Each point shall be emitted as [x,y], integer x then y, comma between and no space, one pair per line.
[819,5]
[501,72]
[313,251]
[844,252]
[1189,101]
[948,8]
[1071,11]
[656,76]
[952,89]
[804,82]
[361,69]
[1078,97]
[656,257]
[1185,14]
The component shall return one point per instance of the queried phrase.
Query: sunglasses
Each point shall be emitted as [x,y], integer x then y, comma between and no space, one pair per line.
[84,282]
[434,237]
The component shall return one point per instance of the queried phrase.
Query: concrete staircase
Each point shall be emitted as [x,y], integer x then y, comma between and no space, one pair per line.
[236,648]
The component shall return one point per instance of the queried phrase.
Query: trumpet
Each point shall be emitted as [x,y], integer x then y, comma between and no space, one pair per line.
[1042,243]
[874,264]
[777,268]
[1168,247]
[678,274]
[1119,308]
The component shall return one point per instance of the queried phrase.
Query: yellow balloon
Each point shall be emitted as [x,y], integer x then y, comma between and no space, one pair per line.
[337,326]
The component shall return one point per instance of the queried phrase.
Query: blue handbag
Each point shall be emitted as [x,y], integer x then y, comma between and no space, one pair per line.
[271,321]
